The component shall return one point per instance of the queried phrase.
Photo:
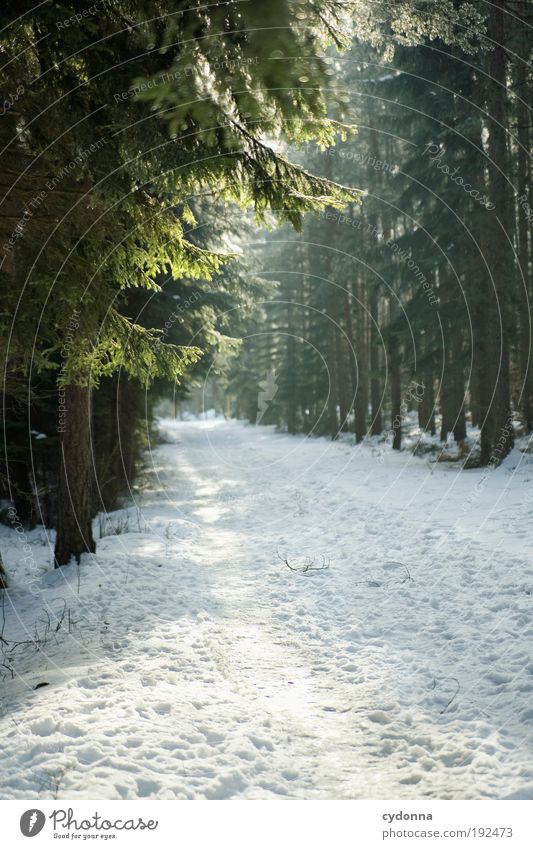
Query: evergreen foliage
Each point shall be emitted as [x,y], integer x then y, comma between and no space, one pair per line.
[144,143]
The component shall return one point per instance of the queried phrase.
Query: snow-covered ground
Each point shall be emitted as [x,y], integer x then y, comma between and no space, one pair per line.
[186,660]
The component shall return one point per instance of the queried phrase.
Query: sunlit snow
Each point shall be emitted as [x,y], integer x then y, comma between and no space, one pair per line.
[185,660]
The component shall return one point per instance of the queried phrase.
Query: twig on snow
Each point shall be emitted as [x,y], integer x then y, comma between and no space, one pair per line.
[308,566]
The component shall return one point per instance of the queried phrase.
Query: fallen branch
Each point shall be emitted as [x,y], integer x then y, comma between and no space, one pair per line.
[308,566]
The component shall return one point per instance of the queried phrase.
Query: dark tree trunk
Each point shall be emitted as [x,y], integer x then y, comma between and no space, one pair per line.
[394,353]
[496,427]
[292,371]
[524,246]
[458,389]
[459,427]
[361,401]
[474,399]
[425,393]
[333,420]
[75,494]
[426,404]
[396,401]
[452,394]
[374,340]
[349,305]
[340,367]
[3,576]
[376,425]
[446,410]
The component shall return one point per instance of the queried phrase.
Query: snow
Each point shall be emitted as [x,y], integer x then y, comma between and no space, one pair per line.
[185,660]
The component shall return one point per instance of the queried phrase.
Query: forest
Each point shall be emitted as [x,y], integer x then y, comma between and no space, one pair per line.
[293,235]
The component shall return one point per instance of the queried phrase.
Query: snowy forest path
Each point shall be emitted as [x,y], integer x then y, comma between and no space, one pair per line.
[285,618]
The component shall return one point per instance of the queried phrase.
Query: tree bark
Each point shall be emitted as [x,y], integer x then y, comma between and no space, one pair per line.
[496,429]
[292,370]
[333,401]
[75,493]
[396,404]
[3,576]
[452,394]
[426,406]
[524,247]
[376,388]
[426,399]
[376,426]
[340,362]
[352,355]
[394,352]
[342,384]
[361,400]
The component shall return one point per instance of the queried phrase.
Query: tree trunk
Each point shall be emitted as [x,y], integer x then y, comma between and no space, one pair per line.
[361,400]
[474,398]
[340,366]
[75,494]
[497,431]
[426,406]
[336,404]
[332,406]
[376,425]
[352,356]
[396,400]
[458,388]
[459,426]
[3,576]
[524,246]
[376,388]
[426,398]
[446,411]
[394,352]
[452,395]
